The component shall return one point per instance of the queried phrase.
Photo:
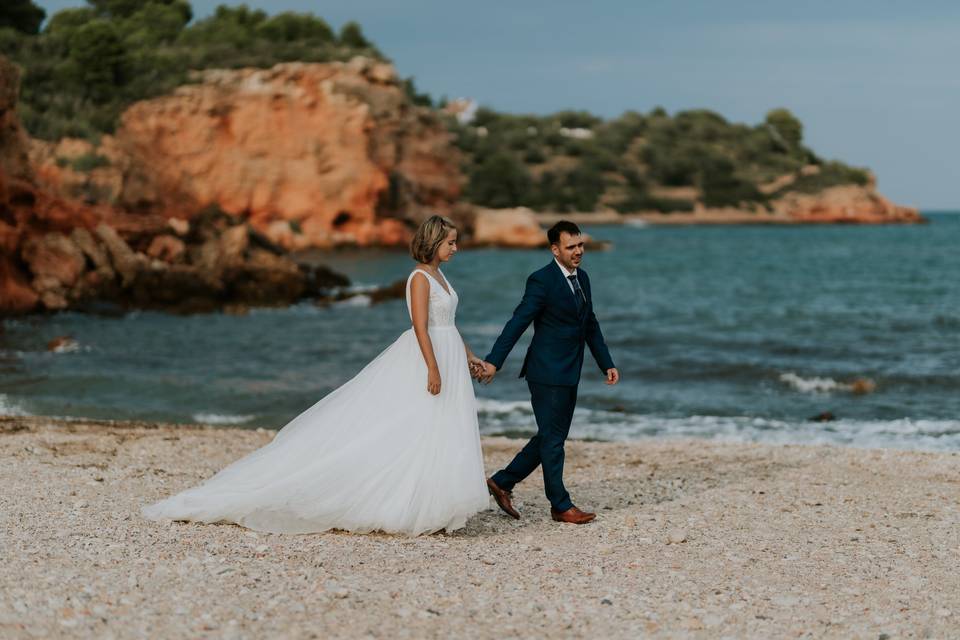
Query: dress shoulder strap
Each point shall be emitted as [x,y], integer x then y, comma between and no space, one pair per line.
[415,272]
[409,281]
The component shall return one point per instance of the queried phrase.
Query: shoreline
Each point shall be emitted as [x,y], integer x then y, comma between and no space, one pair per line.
[723,218]
[693,539]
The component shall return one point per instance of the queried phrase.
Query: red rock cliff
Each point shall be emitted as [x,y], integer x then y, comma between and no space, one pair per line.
[58,253]
[28,213]
[314,155]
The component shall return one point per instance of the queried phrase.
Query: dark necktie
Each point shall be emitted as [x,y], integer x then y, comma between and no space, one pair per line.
[577,292]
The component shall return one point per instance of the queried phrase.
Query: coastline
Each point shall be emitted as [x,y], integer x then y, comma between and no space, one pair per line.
[730,217]
[693,539]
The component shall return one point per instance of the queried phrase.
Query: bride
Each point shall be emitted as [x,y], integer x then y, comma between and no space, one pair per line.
[395,449]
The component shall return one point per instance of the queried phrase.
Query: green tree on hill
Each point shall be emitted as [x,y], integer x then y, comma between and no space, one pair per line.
[351,35]
[689,157]
[21,15]
[128,8]
[89,63]
[500,181]
[98,61]
[786,127]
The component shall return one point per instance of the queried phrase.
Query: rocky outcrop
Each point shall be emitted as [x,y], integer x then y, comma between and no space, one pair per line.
[516,227]
[27,214]
[58,253]
[849,204]
[521,228]
[846,204]
[217,264]
[311,155]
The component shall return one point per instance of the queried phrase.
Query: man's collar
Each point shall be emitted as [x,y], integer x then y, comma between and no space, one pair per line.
[563,269]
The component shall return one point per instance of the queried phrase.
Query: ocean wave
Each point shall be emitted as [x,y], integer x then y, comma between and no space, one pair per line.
[826,385]
[812,385]
[516,418]
[10,407]
[69,346]
[518,415]
[219,418]
[359,300]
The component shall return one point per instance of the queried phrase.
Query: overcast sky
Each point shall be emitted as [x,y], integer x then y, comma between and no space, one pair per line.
[874,82]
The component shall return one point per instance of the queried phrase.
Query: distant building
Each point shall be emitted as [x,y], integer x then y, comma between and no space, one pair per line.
[576,132]
[463,109]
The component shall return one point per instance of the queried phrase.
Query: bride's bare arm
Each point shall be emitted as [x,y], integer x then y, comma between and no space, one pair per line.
[420,309]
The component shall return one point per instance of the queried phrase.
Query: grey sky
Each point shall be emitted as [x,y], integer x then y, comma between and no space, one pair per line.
[874,82]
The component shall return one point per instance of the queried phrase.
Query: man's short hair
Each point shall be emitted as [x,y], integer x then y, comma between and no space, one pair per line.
[563,226]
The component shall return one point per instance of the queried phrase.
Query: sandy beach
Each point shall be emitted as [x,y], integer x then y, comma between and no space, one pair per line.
[694,539]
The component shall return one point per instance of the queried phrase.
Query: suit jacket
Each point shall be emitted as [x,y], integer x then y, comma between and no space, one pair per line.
[555,355]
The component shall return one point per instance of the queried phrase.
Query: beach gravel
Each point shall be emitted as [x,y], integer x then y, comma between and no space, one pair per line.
[693,539]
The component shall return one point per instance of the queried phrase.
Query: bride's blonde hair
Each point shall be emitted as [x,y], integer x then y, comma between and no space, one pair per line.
[428,237]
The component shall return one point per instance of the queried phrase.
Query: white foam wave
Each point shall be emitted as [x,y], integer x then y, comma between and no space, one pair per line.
[361,300]
[10,407]
[518,415]
[481,329]
[68,346]
[813,385]
[491,406]
[936,435]
[219,418]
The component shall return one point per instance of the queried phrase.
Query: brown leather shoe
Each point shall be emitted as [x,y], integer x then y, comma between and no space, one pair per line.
[503,499]
[572,515]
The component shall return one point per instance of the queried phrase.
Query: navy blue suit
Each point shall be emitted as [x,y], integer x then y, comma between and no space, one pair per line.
[561,329]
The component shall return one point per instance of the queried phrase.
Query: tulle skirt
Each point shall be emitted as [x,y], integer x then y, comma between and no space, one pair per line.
[380,453]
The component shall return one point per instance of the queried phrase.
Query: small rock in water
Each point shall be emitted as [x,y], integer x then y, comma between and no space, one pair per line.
[62,344]
[826,416]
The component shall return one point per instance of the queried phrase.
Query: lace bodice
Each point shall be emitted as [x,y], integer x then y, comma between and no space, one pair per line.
[442,307]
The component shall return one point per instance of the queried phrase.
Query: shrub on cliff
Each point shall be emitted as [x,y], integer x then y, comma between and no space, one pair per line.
[500,181]
[89,63]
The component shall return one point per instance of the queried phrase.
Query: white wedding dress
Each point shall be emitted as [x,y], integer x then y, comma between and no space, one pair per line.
[380,453]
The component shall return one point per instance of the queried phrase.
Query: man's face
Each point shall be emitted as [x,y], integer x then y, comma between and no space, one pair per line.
[568,249]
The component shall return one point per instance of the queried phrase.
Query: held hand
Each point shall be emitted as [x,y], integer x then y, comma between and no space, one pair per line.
[613,376]
[433,381]
[475,365]
[489,371]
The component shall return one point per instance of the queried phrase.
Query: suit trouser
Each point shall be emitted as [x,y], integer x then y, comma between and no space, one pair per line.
[553,407]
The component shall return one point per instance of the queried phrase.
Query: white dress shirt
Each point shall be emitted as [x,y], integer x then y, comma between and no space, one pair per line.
[567,274]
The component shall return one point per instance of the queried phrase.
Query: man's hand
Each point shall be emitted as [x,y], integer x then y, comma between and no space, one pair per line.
[489,371]
[613,376]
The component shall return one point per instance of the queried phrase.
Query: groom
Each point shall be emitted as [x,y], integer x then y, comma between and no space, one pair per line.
[557,301]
